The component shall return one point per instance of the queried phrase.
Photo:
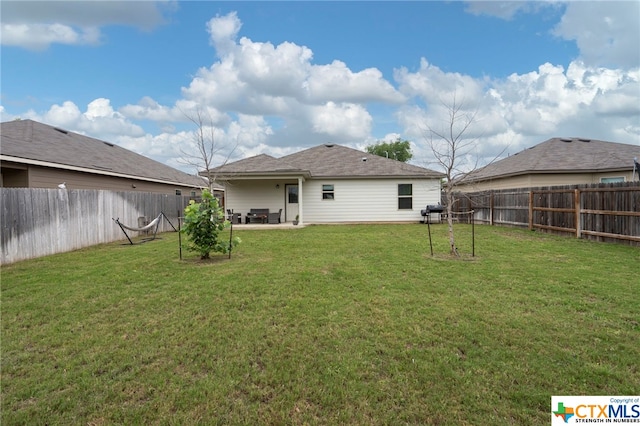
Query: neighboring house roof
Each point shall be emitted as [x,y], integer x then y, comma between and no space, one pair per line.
[562,155]
[328,160]
[31,142]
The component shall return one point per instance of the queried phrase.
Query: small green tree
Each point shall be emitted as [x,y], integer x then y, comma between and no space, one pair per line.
[398,150]
[203,223]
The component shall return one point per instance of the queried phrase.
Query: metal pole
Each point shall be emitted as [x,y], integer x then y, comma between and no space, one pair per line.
[231,235]
[473,235]
[429,229]
[167,219]
[180,236]
[125,232]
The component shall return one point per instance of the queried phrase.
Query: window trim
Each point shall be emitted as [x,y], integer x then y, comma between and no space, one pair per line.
[402,197]
[328,192]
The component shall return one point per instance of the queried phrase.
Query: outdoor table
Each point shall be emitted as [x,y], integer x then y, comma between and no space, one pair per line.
[253,217]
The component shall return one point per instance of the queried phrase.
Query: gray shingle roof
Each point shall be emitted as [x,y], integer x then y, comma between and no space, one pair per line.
[259,164]
[328,160]
[31,140]
[562,155]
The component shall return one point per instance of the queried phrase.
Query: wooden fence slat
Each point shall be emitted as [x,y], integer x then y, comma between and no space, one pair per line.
[38,222]
[610,212]
[614,236]
[601,211]
[553,209]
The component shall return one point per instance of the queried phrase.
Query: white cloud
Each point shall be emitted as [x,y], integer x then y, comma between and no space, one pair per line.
[265,80]
[435,86]
[525,109]
[336,82]
[621,102]
[606,32]
[167,148]
[40,36]
[501,9]
[66,115]
[223,31]
[275,71]
[260,78]
[248,131]
[37,25]
[99,120]
[271,98]
[237,140]
[148,109]
[345,121]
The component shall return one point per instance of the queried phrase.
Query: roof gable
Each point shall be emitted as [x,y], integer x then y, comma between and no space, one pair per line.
[31,140]
[328,160]
[262,163]
[562,155]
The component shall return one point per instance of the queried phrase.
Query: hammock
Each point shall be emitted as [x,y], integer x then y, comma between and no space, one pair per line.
[153,224]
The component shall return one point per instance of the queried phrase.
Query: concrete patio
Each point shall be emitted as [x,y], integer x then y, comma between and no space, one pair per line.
[286,225]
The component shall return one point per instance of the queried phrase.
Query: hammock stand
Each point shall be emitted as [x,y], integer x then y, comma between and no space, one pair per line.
[152,225]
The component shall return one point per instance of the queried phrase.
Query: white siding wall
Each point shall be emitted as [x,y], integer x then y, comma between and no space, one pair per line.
[244,195]
[366,200]
[356,200]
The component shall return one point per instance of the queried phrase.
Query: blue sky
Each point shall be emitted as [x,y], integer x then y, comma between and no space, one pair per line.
[277,77]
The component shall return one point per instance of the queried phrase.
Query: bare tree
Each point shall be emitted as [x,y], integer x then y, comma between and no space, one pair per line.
[452,147]
[206,146]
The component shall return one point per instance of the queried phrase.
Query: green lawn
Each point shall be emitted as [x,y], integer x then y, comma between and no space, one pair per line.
[320,325]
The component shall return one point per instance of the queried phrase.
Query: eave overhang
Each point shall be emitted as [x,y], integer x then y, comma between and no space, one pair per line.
[467,180]
[277,174]
[94,171]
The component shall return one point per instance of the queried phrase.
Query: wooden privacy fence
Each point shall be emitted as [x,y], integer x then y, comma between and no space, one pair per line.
[38,222]
[604,212]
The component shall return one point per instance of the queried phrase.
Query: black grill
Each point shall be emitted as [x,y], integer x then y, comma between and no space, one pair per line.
[432,208]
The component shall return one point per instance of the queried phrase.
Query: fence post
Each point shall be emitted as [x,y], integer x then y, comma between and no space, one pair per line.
[530,210]
[576,204]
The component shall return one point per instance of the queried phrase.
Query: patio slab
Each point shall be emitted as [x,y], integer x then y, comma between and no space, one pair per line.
[265,226]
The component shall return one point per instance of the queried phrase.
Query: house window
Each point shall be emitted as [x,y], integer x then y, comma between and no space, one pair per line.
[193,193]
[611,179]
[405,196]
[178,192]
[327,192]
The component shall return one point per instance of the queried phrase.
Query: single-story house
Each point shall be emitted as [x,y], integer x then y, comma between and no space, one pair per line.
[558,161]
[36,155]
[329,184]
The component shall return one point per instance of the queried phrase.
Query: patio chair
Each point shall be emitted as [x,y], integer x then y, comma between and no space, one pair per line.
[275,217]
[233,217]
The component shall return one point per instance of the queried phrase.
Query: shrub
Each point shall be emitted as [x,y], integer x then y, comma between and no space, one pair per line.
[203,223]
